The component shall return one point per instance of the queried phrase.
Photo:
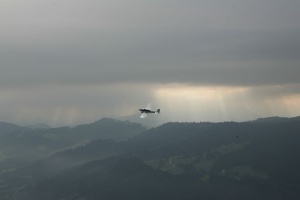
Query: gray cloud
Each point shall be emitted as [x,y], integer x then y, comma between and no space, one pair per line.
[70,105]
[73,44]
[195,59]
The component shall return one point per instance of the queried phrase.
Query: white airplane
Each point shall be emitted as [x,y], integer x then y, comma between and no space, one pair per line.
[147,110]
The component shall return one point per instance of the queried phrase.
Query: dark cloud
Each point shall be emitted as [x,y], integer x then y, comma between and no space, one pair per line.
[221,59]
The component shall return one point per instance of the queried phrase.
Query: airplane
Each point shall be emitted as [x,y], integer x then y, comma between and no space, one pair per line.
[148,110]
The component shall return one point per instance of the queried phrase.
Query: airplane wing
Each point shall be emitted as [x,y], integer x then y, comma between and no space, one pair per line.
[149,106]
[143,115]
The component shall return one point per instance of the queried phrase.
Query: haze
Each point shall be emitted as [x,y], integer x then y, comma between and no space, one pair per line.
[66,62]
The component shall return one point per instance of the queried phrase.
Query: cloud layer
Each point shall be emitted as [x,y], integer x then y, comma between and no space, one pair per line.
[116,45]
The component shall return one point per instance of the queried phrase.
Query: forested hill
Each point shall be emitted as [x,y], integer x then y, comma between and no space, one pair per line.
[229,160]
[18,142]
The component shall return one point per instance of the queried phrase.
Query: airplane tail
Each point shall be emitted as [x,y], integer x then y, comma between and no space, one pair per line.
[158,111]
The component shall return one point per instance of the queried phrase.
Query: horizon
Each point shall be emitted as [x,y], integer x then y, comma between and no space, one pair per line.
[150,124]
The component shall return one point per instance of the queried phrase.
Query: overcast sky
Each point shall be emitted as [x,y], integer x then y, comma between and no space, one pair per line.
[66,62]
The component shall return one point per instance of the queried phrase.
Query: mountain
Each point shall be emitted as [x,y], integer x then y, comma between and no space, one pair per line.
[118,177]
[24,142]
[277,119]
[39,126]
[151,121]
[109,129]
[228,160]
[6,128]
[27,155]
[20,146]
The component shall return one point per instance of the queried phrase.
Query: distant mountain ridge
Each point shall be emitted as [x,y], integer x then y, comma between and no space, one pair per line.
[8,127]
[135,119]
[277,119]
[226,160]
[148,122]
[39,126]
[35,143]
[112,159]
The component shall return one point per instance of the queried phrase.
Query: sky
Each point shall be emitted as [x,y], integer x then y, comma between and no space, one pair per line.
[68,62]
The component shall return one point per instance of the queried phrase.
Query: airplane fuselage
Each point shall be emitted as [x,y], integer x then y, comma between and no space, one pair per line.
[144,110]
